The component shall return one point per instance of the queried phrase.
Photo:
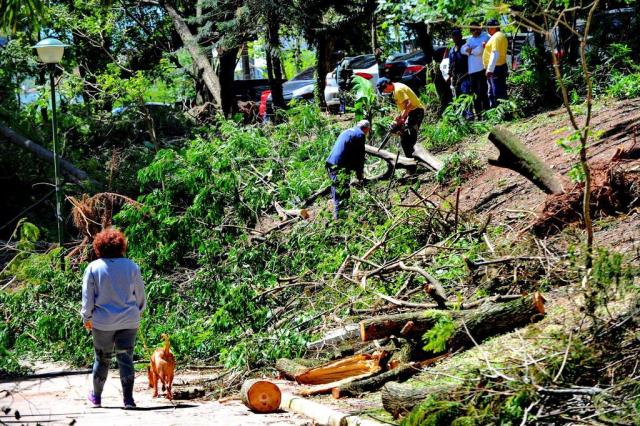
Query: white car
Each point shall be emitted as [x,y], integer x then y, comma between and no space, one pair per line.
[364,66]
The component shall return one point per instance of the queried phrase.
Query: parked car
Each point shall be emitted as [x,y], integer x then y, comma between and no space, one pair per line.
[300,87]
[411,68]
[364,66]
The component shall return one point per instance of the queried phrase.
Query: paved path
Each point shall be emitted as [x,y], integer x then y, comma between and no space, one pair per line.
[62,401]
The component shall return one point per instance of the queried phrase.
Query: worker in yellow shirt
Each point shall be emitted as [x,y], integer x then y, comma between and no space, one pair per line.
[494,59]
[411,112]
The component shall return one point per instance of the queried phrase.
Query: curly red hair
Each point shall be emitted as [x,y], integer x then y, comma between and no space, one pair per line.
[110,243]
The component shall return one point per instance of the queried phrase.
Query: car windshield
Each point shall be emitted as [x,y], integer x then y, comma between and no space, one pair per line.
[411,56]
[362,62]
[305,75]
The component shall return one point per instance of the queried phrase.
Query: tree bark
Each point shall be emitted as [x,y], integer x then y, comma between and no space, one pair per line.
[290,368]
[200,59]
[325,47]
[495,318]
[515,156]
[227,58]
[399,399]
[392,325]
[43,153]
[371,384]
[274,66]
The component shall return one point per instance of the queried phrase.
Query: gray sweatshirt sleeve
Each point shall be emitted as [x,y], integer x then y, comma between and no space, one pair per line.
[88,295]
[141,299]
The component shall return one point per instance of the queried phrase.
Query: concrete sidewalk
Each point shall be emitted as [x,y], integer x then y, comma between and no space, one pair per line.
[63,401]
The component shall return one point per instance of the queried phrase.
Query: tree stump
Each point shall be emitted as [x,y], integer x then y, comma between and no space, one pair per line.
[261,396]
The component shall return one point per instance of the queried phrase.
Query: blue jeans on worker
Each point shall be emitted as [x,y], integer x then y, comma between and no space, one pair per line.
[340,187]
[498,85]
[463,87]
[105,343]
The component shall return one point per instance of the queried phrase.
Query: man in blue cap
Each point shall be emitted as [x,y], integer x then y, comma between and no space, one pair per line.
[347,155]
[411,112]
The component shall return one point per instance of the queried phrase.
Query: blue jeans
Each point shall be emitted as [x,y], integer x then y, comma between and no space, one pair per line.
[104,345]
[340,187]
[498,85]
[464,88]
[479,88]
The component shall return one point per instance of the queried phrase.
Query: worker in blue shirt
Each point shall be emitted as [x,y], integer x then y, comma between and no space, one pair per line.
[347,155]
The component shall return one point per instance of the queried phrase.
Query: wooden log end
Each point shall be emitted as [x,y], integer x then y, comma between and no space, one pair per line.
[407,328]
[363,332]
[261,396]
[538,302]
[336,393]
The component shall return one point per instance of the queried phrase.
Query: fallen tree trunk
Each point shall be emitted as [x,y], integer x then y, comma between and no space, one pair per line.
[43,153]
[320,414]
[421,156]
[290,368]
[515,156]
[425,157]
[399,399]
[357,387]
[489,319]
[388,325]
[495,318]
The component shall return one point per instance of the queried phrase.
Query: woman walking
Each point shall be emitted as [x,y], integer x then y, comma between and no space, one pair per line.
[112,301]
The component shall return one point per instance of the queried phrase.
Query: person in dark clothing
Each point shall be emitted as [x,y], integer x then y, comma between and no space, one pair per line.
[459,69]
[346,156]
[342,79]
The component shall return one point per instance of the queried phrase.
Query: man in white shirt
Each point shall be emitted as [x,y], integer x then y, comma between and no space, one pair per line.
[474,49]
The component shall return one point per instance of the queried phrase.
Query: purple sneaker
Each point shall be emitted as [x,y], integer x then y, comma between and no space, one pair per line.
[94,400]
[129,403]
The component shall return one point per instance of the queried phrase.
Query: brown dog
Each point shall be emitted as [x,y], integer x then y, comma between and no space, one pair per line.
[161,367]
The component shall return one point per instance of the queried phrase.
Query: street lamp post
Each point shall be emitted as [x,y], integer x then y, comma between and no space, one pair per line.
[50,51]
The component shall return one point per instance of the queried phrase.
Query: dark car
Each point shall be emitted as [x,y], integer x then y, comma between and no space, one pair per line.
[411,69]
[301,86]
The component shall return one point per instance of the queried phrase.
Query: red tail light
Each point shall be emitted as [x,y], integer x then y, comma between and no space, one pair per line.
[262,109]
[413,69]
[364,75]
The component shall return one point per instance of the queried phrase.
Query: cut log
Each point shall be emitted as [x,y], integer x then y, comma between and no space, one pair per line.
[320,414]
[515,156]
[392,325]
[420,156]
[39,151]
[261,396]
[328,387]
[423,156]
[355,365]
[390,157]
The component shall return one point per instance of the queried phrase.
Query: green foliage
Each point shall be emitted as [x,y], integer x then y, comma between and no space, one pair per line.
[364,98]
[458,166]
[624,86]
[436,338]
[433,413]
